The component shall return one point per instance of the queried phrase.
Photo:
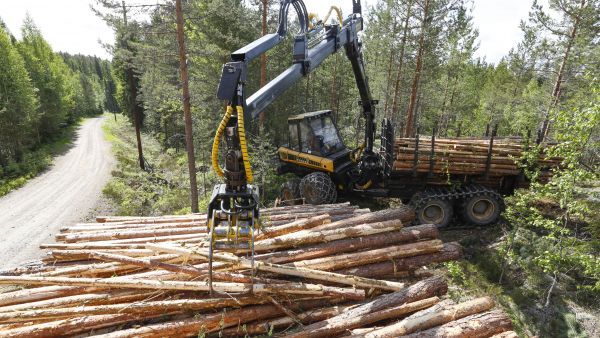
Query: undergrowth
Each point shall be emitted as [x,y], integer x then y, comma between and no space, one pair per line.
[15,174]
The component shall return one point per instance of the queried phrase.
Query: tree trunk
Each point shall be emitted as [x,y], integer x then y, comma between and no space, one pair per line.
[263,60]
[450,251]
[488,324]
[418,291]
[560,74]
[408,129]
[410,234]
[428,320]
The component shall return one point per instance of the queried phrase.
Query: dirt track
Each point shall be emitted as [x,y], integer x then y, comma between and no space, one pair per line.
[61,196]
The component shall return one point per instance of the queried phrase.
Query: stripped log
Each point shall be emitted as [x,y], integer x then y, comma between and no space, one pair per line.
[285,270]
[481,325]
[170,306]
[404,214]
[418,291]
[449,251]
[200,325]
[371,256]
[419,322]
[409,234]
[118,282]
[315,236]
[294,226]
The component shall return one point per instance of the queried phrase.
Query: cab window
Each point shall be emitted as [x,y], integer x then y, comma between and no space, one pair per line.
[294,139]
[326,134]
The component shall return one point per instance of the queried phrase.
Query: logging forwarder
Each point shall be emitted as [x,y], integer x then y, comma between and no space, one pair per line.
[233,212]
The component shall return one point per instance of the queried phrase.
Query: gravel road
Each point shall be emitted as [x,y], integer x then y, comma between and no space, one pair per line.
[61,196]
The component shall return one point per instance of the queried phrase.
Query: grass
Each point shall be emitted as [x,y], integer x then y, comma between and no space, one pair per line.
[17,174]
[521,293]
[161,189]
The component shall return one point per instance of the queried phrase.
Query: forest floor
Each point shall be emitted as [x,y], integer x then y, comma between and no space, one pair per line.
[521,293]
[62,195]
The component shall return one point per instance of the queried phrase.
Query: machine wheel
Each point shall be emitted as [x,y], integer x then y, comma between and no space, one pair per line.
[290,192]
[482,209]
[434,211]
[317,188]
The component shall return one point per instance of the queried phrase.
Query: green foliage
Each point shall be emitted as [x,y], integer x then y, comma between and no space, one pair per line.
[163,189]
[40,99]
[18,103]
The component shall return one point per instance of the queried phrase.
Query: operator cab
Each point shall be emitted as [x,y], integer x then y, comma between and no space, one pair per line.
[314,133]
[314,143]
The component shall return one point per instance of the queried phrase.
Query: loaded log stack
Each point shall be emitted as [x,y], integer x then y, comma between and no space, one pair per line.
[494,158]
[329,270]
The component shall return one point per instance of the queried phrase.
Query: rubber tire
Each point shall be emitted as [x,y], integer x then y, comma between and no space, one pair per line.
[466,210]
[444,205]
[317,188]
[290,192]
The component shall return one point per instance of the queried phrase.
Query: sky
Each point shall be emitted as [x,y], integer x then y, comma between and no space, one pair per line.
[70,25]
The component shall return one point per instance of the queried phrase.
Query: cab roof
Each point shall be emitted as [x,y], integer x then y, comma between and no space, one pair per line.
[309,116]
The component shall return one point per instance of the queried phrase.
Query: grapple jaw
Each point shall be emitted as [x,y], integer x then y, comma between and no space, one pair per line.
[233,219]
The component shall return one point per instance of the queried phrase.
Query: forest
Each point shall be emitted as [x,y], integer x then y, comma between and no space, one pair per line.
[43,94]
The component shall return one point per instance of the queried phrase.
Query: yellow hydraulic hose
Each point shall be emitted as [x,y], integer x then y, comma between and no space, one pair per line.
[218,135]
[243,145]
[339,14]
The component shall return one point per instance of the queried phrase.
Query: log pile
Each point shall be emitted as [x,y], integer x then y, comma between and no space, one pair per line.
[319,271]
[463,156]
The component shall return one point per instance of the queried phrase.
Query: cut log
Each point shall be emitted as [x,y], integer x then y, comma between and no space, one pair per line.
[480,325]
[118,282]
[371,256]
[315,236]
[294,226]
[404,214]
[263,327]
[202,325]
[418,291]
[170,306]
[409,234]
[428,320]
[285,270]
[449,251]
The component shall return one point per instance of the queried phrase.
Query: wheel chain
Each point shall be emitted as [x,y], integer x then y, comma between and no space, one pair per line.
[449,194]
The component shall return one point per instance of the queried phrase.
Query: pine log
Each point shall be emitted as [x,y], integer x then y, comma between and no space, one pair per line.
[110,235]
[506,334]
[428,320]
[418,291]
[316,236]
[371,256]
[449,251]
[119,282]
[480,325]
[108,297]
[36,294]
[201,325]
[170,306]
[131,227]
[409,234]
[263,327]
[404,214]
[298,225]
[72,326]
[285,270]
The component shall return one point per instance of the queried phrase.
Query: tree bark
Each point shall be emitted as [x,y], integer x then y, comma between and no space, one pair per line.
[428,320]
[418,291]
[450,251]
[352,259]
[409,234]
[480,325]
[396,98]
[408,129]
[560,74]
